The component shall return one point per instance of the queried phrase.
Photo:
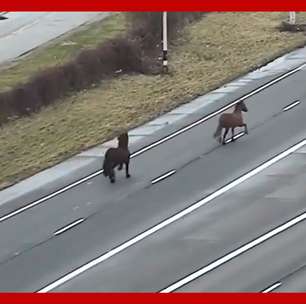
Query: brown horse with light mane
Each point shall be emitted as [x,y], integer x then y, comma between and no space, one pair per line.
[117,157]
[231,121]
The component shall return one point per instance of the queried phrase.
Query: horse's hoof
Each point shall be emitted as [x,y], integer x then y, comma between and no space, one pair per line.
[223,143]
[128,176]
[112,181]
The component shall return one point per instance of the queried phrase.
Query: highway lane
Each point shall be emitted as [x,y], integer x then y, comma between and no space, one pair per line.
[121,220]
[244,213]
[20,233]
[21,32]
[255,270]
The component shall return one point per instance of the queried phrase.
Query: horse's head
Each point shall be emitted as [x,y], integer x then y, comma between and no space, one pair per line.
[123,140]
[241,106]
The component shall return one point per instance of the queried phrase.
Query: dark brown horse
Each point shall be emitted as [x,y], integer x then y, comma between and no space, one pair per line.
[117,157]
[231,121]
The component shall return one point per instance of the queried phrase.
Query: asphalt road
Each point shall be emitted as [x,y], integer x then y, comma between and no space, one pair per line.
[22,32]
[261,266]
[31,256]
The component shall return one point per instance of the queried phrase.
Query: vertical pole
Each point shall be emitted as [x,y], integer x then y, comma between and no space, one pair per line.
[165,43]
[292,17]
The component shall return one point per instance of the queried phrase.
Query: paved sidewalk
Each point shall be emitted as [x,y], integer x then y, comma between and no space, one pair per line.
[21,32]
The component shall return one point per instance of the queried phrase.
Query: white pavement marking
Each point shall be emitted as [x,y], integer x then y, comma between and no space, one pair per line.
[238,135]
[38,202]
[153,145]
[234,253]
[292,105]
[274,286]
[160,178]
[62,230]
[175,218]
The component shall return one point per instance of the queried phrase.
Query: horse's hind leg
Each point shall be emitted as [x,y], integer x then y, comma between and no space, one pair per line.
[224,136]
[120,166]
[112,176]
[233,134]
[245,128]
[127,174]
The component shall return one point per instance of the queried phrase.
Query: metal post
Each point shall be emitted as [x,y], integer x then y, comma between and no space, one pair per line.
[165,43]
[292,17]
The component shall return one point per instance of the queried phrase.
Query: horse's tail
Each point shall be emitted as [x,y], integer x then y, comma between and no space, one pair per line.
[217,134]
[106,164]
[105,171]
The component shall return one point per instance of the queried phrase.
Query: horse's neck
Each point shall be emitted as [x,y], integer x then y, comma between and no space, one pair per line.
[123,145]
[237,112]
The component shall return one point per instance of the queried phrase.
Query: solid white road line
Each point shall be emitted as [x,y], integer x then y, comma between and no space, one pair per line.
[173,219]
[153,145]
[38,202]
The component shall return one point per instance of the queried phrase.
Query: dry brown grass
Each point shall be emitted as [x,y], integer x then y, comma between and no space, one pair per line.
[220,47]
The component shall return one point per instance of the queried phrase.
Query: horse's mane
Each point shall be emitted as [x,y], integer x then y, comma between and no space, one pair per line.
[123,140]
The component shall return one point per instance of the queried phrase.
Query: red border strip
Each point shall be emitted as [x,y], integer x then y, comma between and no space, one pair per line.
[153,298]
[156,5]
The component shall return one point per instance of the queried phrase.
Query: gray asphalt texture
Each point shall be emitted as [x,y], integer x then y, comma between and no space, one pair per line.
[295,282]
[32,257]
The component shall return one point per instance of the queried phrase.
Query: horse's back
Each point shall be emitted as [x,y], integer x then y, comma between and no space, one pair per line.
[109,153]
[117,155]
[228,120]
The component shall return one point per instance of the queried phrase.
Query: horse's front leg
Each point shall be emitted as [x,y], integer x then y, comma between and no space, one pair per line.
[224,136]
[245,128]
[233,134]
[127,174]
